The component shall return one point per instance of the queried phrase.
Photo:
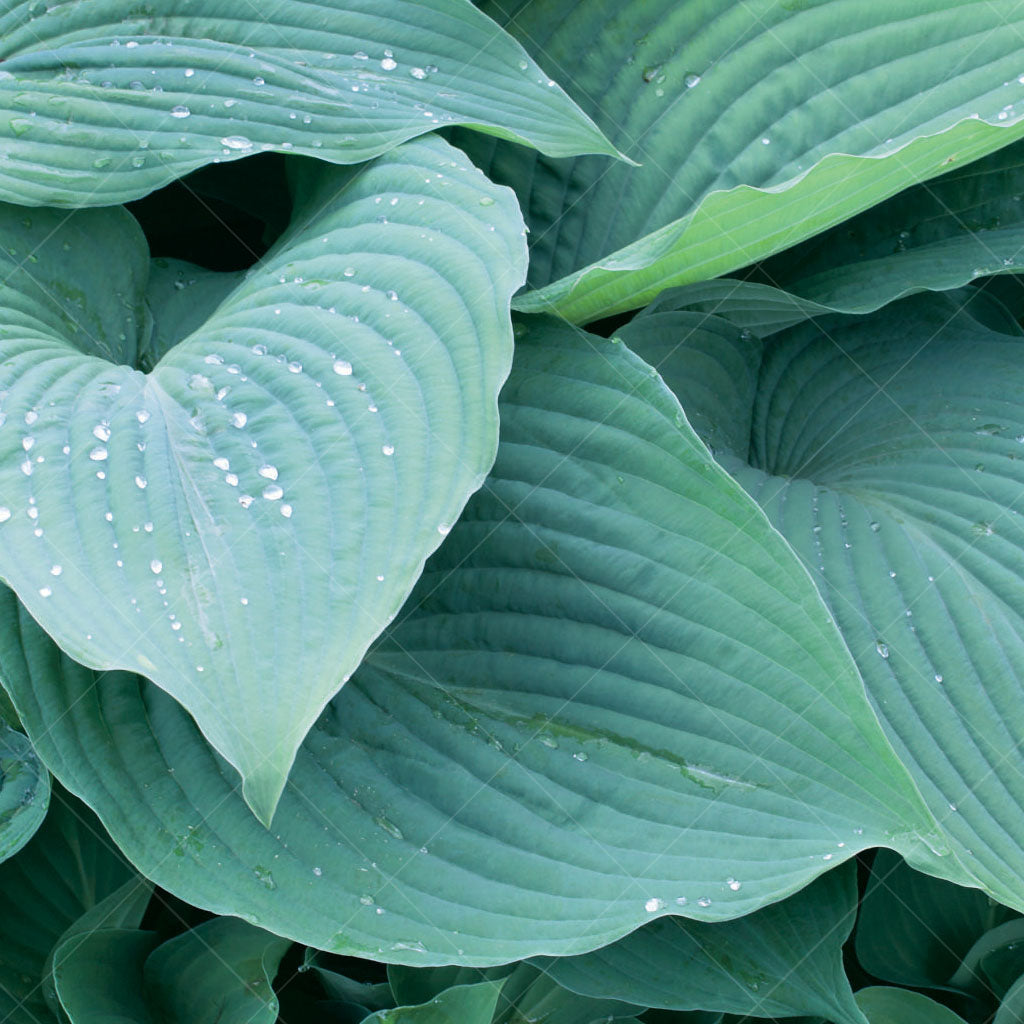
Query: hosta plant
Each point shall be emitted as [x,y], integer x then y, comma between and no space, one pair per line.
[511,512]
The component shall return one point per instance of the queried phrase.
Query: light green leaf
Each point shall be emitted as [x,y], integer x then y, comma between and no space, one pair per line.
[240,523]
[915,930]
[614,695]
[883,1005]
[886,449]
[933,237]
[217,973]
[757,125]
[99,977]
[340,987]
[69,866]
[24,791]
[464,1004]
[784,960]
[100,104]
[1003,942]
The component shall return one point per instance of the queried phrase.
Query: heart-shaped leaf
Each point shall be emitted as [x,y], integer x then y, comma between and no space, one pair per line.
[757,124]
[614,695]
[886,449]
[100,103]
[241,522]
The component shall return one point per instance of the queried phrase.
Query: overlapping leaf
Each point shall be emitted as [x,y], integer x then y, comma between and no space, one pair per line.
[241,522]
[100,103]
[784,960]
[614,695]
[886,449]
[24,791]
[757,124]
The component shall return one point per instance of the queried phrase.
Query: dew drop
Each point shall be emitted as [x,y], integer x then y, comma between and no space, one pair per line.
[388,449]
[56,570]
[141,482]
[704,901]
[938,678]
[389,64]
[653,905]
[444,529]
[236,142]
[267,472]
[734,885]
[45,591]
[101,432]
[5,513]
[342,367]
[245,500]
[239,419]
[142,415]
[295,367]
[180,111]
[691,80]
[221,463]
[286,511]
[882,648]
[98,454]
[273,492]
[156,566]
[231,480]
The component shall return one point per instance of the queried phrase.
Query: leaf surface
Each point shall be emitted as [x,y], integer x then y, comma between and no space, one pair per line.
[882,1005]
[614,694]
[886,449]
[757,125]
[24,791]
[242,521]
[100,104]
[784,960]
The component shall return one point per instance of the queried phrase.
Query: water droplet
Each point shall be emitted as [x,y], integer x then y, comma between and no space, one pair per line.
[101,432]
[393,296]
[30,417]
[221,463]
[231,480]
[98,454]
[180,111]
[286,511]
[342,367]
[318,871]
[267,472]
[156,566]
[142,415]
[5,513]
[882,648]
[273,492]
[27,443]
[45,591]
[579,756]
[734,885]
[263,876]
[389,64]
[419,73]
[239,419]
[444,529]
[766,141]
[259,81]
[875,527]
[245,500]
[388,449]
[295,367]
[691,80]
[653,905]
[704,901]
[236,142]
[56,570]
[141,482]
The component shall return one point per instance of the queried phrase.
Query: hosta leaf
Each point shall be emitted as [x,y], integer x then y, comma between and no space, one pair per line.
[123,908]
[1011,1009]
[933,237]
[614,695]
[24,791]
[99,978]
[915,930]
[1000,948]
[100,104]
[217,973]
[883,1005]
[784,960]
[757,125]
[464,1004]
[885,448]
[240,523]
[69,866]
[526,993]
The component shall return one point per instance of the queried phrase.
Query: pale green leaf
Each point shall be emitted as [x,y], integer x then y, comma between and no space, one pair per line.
[614,694]
[241,522]
[757,125]
[784,960]
[100,103]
